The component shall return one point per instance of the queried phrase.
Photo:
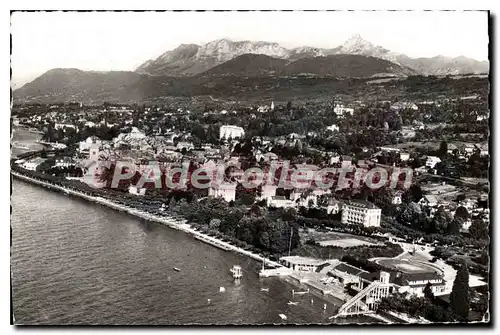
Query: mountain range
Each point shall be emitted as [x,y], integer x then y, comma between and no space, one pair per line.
[223,67]
[192,59]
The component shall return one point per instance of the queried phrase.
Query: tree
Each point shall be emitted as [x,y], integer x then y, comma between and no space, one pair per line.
[462,212]
[479,230]
[455,225]
[428,294]
[443,149]
[459,297]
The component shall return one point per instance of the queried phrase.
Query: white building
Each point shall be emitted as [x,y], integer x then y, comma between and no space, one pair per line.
[432,161]
[414,283]
[64,162]
[397,198]
[333,128]
[231,132]
[428,200]
[85,145]
[340,110]
[64,125]
[225,191]
[94,152]
[404,156]
[268,191]
[304,264]
[137,190]
[361,212]
[32,164]
[280,201]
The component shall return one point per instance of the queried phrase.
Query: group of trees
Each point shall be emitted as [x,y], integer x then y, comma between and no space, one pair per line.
[272,231]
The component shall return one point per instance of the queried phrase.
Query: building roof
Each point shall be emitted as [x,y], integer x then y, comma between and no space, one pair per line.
[431,198]
[299,260]
[343,267]
[361,204]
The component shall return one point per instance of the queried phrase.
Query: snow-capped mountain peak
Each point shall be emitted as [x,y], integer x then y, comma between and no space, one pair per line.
[357,45]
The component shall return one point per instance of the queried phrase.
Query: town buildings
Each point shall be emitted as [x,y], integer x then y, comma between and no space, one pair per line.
[226,191]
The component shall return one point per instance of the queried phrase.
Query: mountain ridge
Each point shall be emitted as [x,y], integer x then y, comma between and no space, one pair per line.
[204,57]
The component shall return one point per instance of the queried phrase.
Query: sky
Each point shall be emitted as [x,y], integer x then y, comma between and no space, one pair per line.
[104,41]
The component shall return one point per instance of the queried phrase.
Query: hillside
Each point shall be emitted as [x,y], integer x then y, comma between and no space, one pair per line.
[63,85]
[346,66]
[74,84]
[249,65]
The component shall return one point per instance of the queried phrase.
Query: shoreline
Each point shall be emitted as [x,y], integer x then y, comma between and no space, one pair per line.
[168,220]
[178,224]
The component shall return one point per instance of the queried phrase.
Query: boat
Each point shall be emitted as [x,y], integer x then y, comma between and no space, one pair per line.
[236,271]
[299,292]
[222,289]
[264,289]
[293,303]
[177,269]
[283,316]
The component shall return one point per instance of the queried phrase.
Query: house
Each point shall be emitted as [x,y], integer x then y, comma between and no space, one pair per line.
[85,145]
[268,191]
[32,164]
[64,162]
[280,201]
[414,283]
[94,151]
[346,161]
[185,145]
[227,132]
[432,161]
[333,206]
[361,212]
[482,149]
[428,200]
[451,147]
[141,191]
[340,110]
[404,156]
[397,198]
[303,264]
[64,125]
[225,191]
[390,149]
[333,128]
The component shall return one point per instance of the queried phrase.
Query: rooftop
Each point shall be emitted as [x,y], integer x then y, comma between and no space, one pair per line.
[303,260]
[361,204]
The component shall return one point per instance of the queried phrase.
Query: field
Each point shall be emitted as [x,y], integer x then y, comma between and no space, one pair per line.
[406,266]
[345,242]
